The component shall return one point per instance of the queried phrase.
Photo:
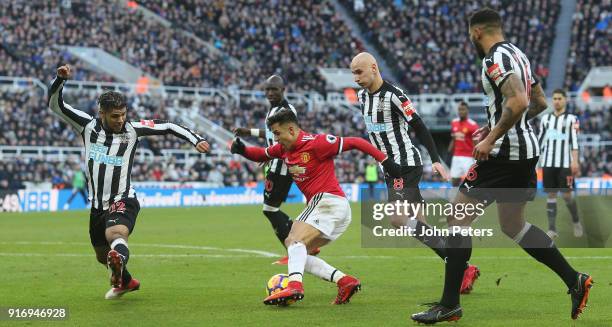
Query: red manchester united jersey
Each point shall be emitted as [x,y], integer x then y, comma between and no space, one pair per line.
[311,163]
[462,131]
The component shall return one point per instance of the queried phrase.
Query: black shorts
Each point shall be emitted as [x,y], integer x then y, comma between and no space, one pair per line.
[276,189]
[406,187]
[557,179]
[122,212]
[501,180]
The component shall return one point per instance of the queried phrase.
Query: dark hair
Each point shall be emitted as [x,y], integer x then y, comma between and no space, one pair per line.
[560,91]
[110,100]
[486,16]
[282,116]
[463,103]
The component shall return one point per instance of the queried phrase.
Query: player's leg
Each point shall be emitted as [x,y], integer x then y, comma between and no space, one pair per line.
[566,181]
[458,251]
[120,223]
[275,193]
[300,236]
[456,171]
[407,189]
[72,195]
[551,187]
[542,248]
[84,195]
[97,226]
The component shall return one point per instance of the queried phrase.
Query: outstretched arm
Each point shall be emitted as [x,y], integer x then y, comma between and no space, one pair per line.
[164,127]
[76,118]
[255,153]
[357,143]
[243,131]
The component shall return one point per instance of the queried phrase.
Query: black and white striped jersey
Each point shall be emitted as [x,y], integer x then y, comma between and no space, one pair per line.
[277,166]
[504,59]
[386,113]
[109,155]
[558,137]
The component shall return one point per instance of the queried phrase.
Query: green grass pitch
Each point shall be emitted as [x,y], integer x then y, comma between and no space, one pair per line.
[209,267]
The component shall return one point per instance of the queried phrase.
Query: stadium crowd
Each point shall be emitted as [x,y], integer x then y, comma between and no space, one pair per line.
[427,41]
[590,45]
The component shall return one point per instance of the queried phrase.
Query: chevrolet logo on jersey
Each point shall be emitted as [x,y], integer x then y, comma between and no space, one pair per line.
[296,170]
[374,127]
[98,154]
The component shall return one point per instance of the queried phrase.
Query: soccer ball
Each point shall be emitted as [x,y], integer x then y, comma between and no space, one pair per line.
[277,283]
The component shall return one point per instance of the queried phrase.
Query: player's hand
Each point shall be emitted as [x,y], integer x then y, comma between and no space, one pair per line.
[241,131]
[483,149]
[237,146]
[480,134]
[391,168]
[575,169]
[438,168]
[203,146]
[64,72]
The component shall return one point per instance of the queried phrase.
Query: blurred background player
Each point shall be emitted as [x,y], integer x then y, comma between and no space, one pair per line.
[505,169]
[462,144]
[78,186]
[388,113]
[310,160]
[278,180]
[559,142]
[371,178]
[110,144]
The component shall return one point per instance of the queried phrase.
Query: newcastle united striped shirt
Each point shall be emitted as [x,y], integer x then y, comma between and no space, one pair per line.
[110,155]
[558,137]
[504,59]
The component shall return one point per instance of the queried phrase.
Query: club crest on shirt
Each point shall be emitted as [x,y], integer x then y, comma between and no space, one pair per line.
[305,157]
[124,138]
[381,106]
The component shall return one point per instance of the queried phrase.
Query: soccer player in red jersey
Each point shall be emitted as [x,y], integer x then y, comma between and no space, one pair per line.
[310,160]
[462,144]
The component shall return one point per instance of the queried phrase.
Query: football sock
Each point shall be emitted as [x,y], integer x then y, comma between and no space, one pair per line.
[280,222]
[120,245]
[436,243]
[541,247]
[551,211]
[322,269]
[459,250]
[297,260]
[573,209]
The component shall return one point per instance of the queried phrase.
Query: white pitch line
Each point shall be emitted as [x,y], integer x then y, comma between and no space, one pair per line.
[257,253]
[260,253]
[221,256]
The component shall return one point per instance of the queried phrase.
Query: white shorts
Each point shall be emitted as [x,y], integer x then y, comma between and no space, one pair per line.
[330,214]
[460,166]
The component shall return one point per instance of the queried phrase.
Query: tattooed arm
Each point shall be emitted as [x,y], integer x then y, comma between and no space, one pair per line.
[514,105]
[537,103]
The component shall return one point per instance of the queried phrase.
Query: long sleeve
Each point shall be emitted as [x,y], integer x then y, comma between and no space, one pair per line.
[257,154]
[356,143]
[77,118]
[424,137]
[164,127]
